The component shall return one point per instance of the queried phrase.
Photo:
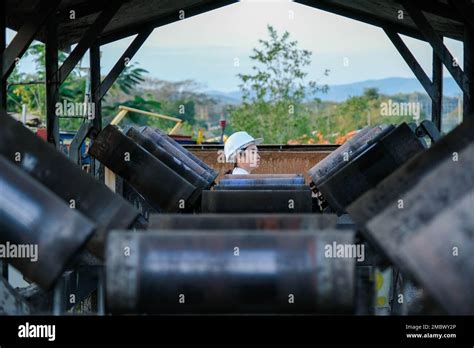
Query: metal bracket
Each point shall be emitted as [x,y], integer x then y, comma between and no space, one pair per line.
[427,128]
[121,63]
[410,60]
[26,34]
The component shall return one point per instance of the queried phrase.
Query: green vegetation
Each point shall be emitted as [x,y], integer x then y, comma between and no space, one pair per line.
[273,94]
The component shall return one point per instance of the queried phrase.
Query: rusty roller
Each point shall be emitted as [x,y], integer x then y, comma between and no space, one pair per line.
[336,159]
[210,173]
[163,189]
[220,272]
[405,177]
[39,233]
[249,222]
[262,182]
[174,163]
[179,152]
[63,177]
[256,201]
[370,167]
[426,226]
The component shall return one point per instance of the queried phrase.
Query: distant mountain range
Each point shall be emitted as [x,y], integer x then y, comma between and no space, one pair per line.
[338,93]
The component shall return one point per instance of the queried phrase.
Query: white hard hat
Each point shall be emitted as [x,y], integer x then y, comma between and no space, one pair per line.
[238,141]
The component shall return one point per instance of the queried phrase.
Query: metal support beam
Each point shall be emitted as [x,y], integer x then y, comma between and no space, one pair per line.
[26,34]
[465,8]
[3,42]
[437,43]
[433,88]
[468,104]
[411,61]
[168,18]
[122,62]
[362,16]
[439,9]
[437,97]
[52,85]
[88,39]
[94,57]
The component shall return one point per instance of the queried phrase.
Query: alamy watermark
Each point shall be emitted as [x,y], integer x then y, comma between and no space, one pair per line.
[393,108]
[19,251]
[337,250]
[28,330]
[75,110]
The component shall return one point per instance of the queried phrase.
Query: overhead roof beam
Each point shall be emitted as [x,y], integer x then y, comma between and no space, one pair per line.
[82,10]
[362,16]
[95,72]
[89,37]
[26,35]
[439,9]
[465,10]
[122,62]
[438,46]
[411,61]
[163,20]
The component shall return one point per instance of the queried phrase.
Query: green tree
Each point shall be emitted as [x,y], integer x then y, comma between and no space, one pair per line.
[273,93]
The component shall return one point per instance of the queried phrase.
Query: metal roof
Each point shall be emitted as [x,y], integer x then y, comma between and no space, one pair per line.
[133,16]
[136,15]
[444,18]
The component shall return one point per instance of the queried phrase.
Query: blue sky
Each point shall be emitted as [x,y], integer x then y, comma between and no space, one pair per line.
[204,47]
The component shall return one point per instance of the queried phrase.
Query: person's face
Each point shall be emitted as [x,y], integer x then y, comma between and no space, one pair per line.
[249,159]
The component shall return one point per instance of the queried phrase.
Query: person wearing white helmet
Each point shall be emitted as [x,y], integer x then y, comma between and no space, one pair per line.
[241,149]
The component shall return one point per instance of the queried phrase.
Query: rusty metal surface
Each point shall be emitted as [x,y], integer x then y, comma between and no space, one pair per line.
[63,177]
[373,201]
[33,218]
[253,222]
[178,151]
[370,167]
[430,235]
[11,302]
[345,152]
[256,201]
[174,163]
[203,271]
[163,189]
